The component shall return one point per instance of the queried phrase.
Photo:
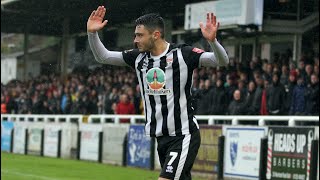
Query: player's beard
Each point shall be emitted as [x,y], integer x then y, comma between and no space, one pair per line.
[147,47]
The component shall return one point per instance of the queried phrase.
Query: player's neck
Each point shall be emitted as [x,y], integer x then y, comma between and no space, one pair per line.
[160,47]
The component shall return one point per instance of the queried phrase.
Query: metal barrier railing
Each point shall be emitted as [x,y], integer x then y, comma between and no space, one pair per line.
[137,119]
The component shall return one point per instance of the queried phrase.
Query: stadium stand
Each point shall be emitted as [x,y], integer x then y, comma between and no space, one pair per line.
[288,90]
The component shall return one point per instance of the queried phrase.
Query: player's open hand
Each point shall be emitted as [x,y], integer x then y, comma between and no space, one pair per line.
[95,21]
[209,31]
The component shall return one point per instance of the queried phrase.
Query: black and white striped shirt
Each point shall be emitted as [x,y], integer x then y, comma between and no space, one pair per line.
[165,82]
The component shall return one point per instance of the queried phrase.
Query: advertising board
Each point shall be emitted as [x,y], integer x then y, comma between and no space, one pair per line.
[89,148]
[139,147]
[113,143]
[242,151]
[289,152]
[207,158]
[6,129]
[19,137]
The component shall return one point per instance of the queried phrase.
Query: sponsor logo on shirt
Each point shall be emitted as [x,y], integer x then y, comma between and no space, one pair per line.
[156,80]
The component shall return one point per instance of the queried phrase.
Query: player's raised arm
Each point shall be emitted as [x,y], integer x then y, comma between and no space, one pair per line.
[95,23]
[219,56]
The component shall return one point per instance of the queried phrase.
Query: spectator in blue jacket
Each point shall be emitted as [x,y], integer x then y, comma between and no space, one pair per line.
[298,102]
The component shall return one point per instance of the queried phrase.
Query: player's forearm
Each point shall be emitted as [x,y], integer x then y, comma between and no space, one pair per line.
[103,55]
[216,58]
[220,53]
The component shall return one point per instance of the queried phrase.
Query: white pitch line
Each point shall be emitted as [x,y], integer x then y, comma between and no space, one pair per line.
[5,171]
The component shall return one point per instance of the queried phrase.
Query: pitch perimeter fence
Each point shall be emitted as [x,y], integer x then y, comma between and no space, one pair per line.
[232,147]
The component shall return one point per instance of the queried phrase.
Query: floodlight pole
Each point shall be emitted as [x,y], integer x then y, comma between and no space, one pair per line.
[64,48]
[25,51]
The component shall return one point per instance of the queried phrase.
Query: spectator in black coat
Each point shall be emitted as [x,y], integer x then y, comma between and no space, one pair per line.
[276,96]
[93,102]
[250,96]
[268,73]
[309,72]
[312,97]
[111,98]
[230,86]
[37,107]
[237,106]
[284,78]
[218,99]
[204,96]
[289,90]
[242,87]
[256,103]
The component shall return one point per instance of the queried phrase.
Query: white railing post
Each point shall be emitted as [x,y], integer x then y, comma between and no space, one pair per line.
[235,121]
[46,119]
[132,120]
[292,122]
[116,120]
[262,122]
[89,119]
[211,121]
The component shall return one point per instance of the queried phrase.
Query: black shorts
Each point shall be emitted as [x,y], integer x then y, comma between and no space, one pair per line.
[177,155]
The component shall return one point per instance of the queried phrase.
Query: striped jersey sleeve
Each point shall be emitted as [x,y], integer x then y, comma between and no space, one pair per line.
[192,56]
[130,57]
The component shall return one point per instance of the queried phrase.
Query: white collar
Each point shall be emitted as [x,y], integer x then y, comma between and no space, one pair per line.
[162,54]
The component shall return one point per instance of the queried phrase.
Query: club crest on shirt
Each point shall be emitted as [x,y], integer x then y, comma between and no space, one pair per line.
[197,50]
[156,80]
[169,61]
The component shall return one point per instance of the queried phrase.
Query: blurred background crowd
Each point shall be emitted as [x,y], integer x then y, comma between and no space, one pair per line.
[262,87]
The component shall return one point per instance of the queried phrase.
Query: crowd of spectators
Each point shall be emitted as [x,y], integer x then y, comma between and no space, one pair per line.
[106,90]
[259,87]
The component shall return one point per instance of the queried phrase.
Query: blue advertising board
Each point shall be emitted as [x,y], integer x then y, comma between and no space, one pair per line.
[138,147]
[6,128]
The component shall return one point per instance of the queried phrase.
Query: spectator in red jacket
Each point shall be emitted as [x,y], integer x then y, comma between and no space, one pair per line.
[3,105]
[125,107]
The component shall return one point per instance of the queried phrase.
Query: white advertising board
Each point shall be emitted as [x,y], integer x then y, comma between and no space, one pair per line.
[51,139]
[69,140]
[89,148]
[34,138]
[242,151]
[8,69]
[19,137]
[113,141]
[228,12]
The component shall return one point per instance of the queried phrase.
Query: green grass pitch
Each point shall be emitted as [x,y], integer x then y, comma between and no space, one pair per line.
[22,167]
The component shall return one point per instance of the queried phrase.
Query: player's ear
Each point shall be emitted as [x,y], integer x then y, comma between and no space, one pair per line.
[156,34]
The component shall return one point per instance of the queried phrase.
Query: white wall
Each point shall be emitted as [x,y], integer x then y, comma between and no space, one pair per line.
[8,69]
